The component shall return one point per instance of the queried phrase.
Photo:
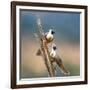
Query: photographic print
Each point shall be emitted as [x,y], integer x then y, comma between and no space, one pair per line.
[49,44]
[61,27]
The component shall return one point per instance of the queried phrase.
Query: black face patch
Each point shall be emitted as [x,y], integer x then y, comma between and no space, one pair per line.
[52,32]
[54,48]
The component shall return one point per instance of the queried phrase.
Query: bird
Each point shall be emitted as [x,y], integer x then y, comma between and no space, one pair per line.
[49,35]
[48,39]
[56,60]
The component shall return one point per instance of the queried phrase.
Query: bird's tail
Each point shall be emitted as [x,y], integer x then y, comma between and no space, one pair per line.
[62,67]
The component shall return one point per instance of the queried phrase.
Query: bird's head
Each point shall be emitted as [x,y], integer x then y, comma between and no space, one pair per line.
[54,47]
[52,31]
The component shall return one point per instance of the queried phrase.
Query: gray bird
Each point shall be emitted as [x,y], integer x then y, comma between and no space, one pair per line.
[56,60]
[49,38]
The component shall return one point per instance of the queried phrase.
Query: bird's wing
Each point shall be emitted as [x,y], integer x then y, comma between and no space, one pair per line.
[58,60]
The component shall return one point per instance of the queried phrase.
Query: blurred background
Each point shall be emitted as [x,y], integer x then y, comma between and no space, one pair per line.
[67,39]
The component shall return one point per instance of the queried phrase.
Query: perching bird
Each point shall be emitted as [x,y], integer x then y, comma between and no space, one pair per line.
[49,38]
[49,35]
[56,59]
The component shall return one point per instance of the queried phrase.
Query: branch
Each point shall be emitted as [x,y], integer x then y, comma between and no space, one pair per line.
[47,59]
[44,49]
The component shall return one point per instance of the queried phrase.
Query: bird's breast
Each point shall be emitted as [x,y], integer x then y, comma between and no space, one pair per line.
[53,54]
[49,38]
